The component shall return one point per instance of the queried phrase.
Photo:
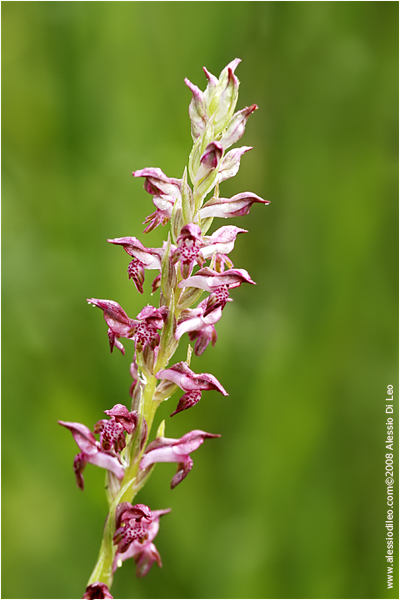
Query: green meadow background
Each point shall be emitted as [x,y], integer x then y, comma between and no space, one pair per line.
[290,502]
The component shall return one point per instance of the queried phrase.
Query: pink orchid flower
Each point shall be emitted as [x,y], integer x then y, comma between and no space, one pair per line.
[191,383]
[143,330]
[172,450]
[135,540]
[209,280]
[237,206]
[92,452]
[143,258]
[199,325]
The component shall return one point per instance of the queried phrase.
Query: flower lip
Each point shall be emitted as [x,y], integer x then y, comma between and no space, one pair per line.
[144,552]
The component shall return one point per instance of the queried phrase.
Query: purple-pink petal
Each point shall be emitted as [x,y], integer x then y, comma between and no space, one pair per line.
[230,163]
[209,280]
[237,126]
[115,317]
[237,206]
[146,558]
[82,436]
[107,461]
[158,184]
[197,323]
[221,241]
[149,257]
[187,380]
[172,450]
[212,156]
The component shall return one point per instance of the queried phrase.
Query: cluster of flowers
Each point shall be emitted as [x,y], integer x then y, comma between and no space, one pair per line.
[122,448]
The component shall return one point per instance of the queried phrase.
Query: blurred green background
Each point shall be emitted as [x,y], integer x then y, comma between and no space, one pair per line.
[290,502]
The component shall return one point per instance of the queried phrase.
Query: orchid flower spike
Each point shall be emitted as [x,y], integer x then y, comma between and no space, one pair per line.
[189,262]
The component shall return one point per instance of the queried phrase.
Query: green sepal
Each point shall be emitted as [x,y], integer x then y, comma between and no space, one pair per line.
[194,160]
[168,343]
[205,224]
[161,429]
[164,391]
[176,221]
[189,296]
[168,273]
[187,200]
[189,355]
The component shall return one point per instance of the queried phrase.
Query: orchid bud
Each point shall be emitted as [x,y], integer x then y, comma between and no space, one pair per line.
[227,102]
[187,200]
[208,170]
[176,220]
[230,163]
[237,126]
[168,277]
[222,100]
[197,110]
[199,148]
[211,85]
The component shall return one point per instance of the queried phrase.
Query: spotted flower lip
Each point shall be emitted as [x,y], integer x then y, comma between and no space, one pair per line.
[191,383]
[131,524]
[144,552]
[91,452]
[237,206]
[173,450]
[121,414]
[209,280]
[112,430]
[97,590]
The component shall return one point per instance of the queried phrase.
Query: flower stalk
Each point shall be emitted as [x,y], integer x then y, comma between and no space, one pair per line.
[189,263]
